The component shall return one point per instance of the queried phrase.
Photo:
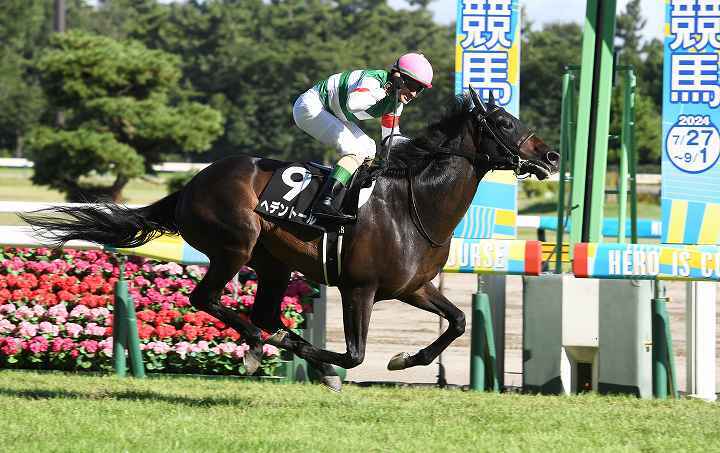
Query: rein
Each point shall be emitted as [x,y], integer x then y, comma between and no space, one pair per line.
[511,154]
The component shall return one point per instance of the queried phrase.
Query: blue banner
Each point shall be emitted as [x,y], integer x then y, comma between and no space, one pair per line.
[691,141]
[487,57]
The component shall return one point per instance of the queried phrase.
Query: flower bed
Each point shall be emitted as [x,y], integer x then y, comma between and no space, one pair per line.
[56,310]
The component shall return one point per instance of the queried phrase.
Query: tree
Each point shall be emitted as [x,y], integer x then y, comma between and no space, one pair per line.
[252,59]
[544,56]
[23,26]
[125,111]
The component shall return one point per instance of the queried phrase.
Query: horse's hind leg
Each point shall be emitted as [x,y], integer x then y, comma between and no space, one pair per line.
[430,299]
[206,297]
[273,276]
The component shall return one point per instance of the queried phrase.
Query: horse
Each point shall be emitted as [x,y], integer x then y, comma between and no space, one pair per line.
[399,243]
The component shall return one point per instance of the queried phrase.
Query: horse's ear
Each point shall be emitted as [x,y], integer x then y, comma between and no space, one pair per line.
[477,100]
[491,100]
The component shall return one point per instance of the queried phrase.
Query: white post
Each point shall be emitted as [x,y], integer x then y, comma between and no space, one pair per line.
[700,339]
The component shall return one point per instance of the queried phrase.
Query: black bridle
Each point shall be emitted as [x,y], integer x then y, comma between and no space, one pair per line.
[511,156]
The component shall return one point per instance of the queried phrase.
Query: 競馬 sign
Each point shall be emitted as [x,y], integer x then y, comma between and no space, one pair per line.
[691,141]
[487,57]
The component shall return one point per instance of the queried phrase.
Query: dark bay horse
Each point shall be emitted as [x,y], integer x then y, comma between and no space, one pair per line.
[399,244]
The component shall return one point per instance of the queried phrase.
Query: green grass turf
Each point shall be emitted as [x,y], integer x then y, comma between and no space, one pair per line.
[61,412]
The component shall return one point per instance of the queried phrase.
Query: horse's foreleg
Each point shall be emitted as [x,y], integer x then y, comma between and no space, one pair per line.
[430,299]
[357,306]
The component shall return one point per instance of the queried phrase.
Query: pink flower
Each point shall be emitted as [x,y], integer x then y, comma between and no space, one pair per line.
[73,329]
[59,312]
[159,347]
[291,303]
[92,329]
[57,344]
[196,271]
[183,349]
[7,309]
[46,327]
[227,348]
[106,346]
[247,300]
[201,346]
[10,345]
[239,352]
[38,344]
[80,311]
[24,312]
[141,281]
[270,350]
[6,327]
[27,330]
[90,346]
[99,313]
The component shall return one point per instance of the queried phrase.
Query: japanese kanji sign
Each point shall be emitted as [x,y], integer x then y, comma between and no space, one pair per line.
[691,141]
[487,57]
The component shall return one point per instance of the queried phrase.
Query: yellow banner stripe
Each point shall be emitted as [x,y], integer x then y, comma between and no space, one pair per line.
[678,214]
[505,217]
[710,225]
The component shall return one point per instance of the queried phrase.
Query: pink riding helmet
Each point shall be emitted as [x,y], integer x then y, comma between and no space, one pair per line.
[415,66]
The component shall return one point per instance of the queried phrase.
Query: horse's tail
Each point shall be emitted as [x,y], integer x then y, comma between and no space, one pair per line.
[105,223]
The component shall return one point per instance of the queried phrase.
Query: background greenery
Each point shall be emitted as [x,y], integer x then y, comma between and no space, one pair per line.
[243,63]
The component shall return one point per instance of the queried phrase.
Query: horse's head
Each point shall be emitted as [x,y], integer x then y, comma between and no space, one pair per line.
[503,142]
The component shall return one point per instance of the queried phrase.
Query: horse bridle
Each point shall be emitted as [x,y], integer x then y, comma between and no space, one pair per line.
[512,154]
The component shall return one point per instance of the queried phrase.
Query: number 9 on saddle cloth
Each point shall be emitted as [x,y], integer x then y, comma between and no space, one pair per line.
[293,188]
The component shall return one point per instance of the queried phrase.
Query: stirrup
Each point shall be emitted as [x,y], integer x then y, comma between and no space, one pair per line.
[333,217]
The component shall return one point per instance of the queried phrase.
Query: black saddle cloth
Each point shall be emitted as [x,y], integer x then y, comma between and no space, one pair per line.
[294,188]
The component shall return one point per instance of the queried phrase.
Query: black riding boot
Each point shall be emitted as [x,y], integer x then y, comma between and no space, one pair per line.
[328,205]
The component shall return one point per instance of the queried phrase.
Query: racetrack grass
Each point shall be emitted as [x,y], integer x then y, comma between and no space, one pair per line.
[15,185]
[61,412]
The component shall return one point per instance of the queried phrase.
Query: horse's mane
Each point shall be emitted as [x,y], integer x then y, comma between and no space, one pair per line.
[445,133]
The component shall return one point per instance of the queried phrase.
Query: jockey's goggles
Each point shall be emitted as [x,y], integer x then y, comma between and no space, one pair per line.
[411,84]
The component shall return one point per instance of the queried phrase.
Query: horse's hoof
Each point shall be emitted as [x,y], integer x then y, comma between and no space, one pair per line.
[398,362]
[278,339]
[334,383]
[252,359]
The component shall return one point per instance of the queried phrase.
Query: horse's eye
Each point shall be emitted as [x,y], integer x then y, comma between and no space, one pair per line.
[506,124]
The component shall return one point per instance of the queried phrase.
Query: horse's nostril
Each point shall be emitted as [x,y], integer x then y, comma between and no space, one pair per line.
[552,157]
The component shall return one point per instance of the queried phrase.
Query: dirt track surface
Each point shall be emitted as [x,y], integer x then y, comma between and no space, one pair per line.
[397,327]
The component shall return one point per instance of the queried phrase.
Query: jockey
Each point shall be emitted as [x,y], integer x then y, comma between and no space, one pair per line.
[330,110]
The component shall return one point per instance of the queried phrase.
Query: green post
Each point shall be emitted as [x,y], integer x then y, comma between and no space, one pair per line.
[565,137]
[590,159]
[628,138]
[483,358]
[126,335]
[119,333]
[627,158]
[664,380]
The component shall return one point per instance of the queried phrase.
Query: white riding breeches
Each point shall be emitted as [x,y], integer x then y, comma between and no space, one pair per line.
[312,117]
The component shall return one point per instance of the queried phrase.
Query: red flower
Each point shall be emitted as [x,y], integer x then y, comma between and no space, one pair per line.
[289,323]
[165,331]
[146,315]
[145,331]
[231,334]
[65,296]
[190,332]
[209,333]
